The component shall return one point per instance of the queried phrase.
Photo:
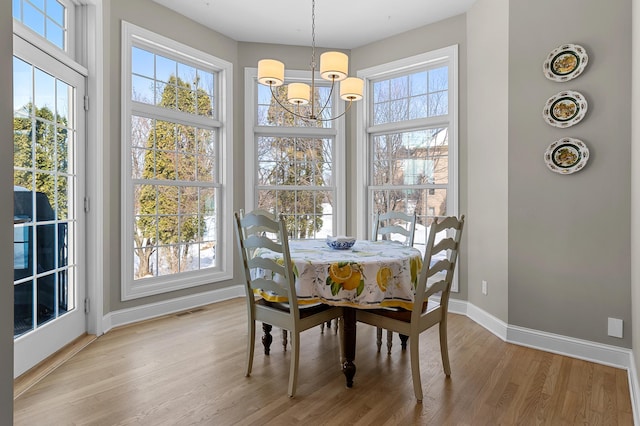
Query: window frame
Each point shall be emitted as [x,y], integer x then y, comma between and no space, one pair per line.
[133,35]
[365,130]
[253,131]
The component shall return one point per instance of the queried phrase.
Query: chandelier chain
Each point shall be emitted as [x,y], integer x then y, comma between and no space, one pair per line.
[313,34]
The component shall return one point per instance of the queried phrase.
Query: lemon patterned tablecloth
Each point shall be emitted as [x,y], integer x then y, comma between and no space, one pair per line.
[372,274]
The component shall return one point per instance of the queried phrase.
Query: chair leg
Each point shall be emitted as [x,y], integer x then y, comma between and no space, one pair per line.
[414,349]
[267,338]
[389,341]
[250,347]
[338,321]
[378,338]
[444,348]
[293,370]
[340,329]
[284,339]
[403,341]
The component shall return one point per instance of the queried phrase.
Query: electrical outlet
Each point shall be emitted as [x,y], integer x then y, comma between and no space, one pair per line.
[485,290]
[615,327]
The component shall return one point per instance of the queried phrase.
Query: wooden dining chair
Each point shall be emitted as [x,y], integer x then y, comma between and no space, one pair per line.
[439,265]
[280,282]
[284,331]
[396,226]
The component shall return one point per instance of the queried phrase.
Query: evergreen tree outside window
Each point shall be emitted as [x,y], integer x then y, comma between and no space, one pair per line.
[176,194]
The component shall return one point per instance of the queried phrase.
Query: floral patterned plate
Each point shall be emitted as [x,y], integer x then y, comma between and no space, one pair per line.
[565,62]
[565,109]
[566,156]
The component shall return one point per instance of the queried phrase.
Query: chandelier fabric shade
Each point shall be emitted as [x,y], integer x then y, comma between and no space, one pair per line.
[351,89]
[298,93]
[271,72]
[334,67]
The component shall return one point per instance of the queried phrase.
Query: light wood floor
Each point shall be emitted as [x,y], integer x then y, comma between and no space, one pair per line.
[188,369]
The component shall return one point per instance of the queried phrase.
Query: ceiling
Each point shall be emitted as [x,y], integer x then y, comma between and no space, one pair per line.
[341,24]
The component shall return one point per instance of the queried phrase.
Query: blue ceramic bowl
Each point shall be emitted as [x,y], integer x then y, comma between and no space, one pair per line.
[340,243]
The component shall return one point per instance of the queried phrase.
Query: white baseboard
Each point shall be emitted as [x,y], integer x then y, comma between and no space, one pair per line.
[153,310]
[600,353]
[613,356]
[634,389]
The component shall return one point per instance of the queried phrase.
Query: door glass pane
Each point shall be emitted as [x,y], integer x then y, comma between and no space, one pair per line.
[44,183]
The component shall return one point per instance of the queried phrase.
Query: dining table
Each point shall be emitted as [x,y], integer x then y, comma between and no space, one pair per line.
[368,275]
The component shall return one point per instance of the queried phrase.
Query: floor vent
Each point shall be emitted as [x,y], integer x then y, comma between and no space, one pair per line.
[193,311]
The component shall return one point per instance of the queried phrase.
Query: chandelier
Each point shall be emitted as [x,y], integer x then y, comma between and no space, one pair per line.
[333,67]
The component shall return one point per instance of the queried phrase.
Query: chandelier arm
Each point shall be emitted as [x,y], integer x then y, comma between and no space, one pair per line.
[313,98]
[307,118]
[337,116]
[274,96]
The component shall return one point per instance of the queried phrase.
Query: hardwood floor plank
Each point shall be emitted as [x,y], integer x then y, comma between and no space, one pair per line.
[188,368]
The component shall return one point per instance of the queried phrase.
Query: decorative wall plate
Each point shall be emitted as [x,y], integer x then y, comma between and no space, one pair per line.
[566,156]
[565,62]
[565,109]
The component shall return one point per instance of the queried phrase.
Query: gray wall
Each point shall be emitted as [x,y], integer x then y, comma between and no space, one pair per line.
[445,33]
[635,194]
[488,146]
[6,216]
[569,240]
[153,17]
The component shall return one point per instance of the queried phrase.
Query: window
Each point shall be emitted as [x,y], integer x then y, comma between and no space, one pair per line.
[294,167]
[47,18]
[176,165]
[408,144]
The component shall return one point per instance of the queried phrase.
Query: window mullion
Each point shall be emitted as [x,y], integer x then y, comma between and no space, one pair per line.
[419,123]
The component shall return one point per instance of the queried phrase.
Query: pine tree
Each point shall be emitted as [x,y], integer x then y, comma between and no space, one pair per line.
[170,216]
[34,129]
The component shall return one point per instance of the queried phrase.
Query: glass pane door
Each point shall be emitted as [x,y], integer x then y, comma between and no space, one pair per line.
[48,147]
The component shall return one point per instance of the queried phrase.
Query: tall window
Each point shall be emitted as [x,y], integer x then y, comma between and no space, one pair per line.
[408,146]
[176,165]
[295,166]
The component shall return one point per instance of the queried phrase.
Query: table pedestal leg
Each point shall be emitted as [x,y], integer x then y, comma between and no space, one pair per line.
[349,344]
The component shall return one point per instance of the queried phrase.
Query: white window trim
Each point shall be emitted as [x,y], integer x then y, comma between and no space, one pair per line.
[447,55]
[130,289]
[250,130]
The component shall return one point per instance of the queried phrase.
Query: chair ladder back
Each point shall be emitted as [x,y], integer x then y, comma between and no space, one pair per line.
[446,253]
[394,222]
[258,229]
[252,242]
